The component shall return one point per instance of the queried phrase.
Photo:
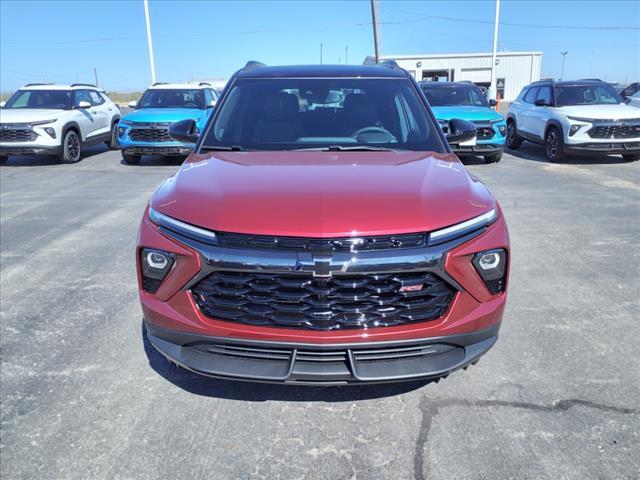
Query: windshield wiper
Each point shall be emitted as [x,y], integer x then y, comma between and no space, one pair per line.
[342,148]
[232,148]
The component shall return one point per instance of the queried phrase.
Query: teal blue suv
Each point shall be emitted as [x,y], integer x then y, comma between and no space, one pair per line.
[145,130]
[464,100]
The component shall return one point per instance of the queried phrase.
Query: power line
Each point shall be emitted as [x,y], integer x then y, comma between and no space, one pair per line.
[507,24]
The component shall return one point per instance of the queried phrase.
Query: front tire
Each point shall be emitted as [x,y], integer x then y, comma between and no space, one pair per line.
[114,142]
[71,148]
[631,157]
[131,159]
[513,139]
[554,145]
[493,158]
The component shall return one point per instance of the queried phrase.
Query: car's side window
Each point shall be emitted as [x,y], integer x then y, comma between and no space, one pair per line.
[82,96]
[531,95]
[96,99]
[208,98]
[545,94]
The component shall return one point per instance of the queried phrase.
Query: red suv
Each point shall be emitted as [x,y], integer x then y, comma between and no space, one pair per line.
[322,232]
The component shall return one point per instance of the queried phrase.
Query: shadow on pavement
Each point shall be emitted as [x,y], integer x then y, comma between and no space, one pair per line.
[42,160]
[156,161]
[262,392]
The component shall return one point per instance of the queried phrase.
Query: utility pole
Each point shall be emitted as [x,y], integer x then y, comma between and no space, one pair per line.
[562,68]
[376,33]
[346,54]
[320,54]
[149,42]
[95,75]
[492,89]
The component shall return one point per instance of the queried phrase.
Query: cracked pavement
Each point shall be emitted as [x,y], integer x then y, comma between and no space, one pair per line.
[83,395]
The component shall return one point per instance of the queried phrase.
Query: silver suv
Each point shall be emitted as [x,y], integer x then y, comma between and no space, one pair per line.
[574,118]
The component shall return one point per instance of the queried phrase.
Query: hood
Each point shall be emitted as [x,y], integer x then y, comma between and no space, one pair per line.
[322,194]
[28,115]
[601,112]
[164,115]
[471,114]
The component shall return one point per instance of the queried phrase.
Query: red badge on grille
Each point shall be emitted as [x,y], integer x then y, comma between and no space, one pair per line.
[411,288]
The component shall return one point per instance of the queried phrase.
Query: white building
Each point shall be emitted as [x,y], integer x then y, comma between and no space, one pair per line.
[514,70]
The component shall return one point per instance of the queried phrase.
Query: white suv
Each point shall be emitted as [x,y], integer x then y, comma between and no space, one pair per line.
[573,118]
[57,120]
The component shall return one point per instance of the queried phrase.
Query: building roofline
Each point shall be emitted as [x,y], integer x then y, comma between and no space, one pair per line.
[457,55]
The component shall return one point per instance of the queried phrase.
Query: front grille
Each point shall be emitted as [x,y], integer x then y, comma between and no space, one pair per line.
[167,151]
[17,135]
[150,134]
[339,302]
[354,244]
[615,131]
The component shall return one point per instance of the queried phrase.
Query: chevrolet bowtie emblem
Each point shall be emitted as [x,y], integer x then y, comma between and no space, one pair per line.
[323,267]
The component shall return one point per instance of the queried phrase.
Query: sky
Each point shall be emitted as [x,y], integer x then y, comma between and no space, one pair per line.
[63,41]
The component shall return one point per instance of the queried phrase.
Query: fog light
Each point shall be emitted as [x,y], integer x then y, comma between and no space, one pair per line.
[502,129]
[574,129]
[491,266]
[155,267]
[50,131]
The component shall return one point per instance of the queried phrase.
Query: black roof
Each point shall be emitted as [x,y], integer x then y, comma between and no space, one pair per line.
[300,71]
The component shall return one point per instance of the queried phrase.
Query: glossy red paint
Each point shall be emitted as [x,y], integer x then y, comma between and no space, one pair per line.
[322,194]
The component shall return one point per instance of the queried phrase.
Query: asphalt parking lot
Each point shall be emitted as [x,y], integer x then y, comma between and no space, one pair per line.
[85,397]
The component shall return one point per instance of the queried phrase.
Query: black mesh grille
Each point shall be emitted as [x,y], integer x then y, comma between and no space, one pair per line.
[265,242]
[339,302]
[615,131]
[150,134]
[17,135]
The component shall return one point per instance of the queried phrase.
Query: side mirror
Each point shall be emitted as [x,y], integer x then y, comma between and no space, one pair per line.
[493,102]
[83,105]
[460,131]
[133,104]
[185,131]
[540,102]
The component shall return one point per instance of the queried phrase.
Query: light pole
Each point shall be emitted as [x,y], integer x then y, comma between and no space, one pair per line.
[376,33]
[492,88]
[562,68]
[346,54]
[149,42]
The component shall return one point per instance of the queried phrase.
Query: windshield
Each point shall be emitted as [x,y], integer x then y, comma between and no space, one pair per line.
[51,99]
[454,96]
[600,94]
[171,98]
[323,113]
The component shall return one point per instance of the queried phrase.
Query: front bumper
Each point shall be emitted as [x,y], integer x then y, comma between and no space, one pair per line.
[335,364]
[480,148]
[600,148]
[28,150]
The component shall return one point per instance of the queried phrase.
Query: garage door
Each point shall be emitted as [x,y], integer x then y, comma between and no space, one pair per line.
[475,75]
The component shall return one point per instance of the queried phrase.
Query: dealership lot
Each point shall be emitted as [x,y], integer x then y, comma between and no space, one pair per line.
[84,396]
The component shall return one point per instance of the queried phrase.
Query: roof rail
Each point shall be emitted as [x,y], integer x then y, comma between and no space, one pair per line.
[83,85]
[204,84]
[35,84]
[155,84]
[252,64]
[392,64]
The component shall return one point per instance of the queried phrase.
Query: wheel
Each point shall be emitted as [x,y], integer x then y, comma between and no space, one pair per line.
[71,148]
[114,143]
[513,139]
[131,159]
[493,158]
[631,157]
[554,145]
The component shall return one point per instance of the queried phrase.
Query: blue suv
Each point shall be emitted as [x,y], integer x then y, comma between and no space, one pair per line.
[145,131]
[464,100]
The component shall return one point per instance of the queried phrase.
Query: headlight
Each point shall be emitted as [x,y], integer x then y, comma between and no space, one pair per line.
[502,129]
[491,265]
[496,120]
[182,228]
[43,122]
[50,131]
[581,119]
[155,266]
[126,122]
[574,129]
[461,229]
[121,131]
